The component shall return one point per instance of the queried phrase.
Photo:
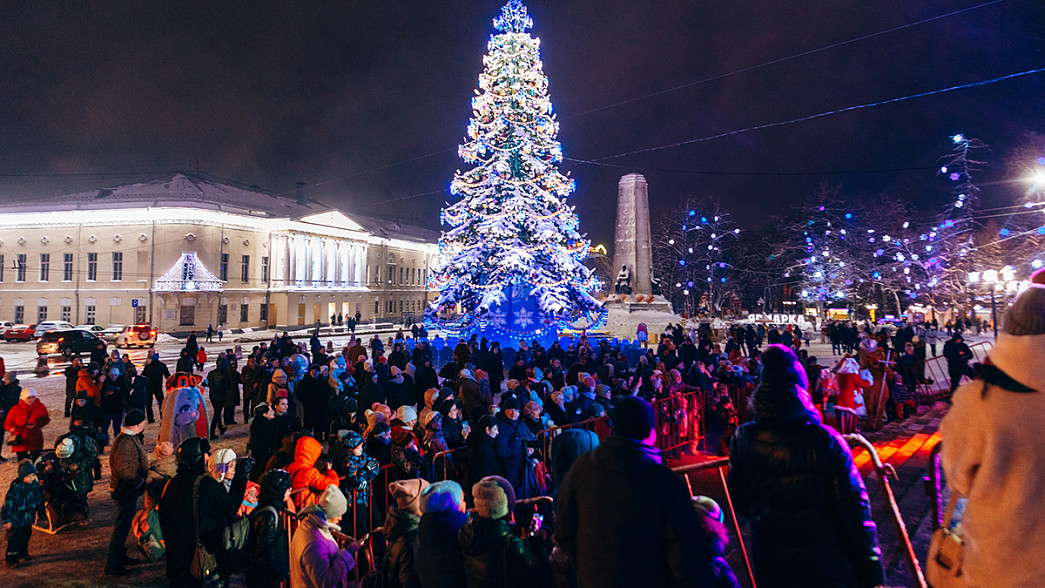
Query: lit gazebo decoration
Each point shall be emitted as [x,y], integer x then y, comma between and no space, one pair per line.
[188,275]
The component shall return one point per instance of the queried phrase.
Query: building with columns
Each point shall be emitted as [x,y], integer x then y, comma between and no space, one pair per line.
[186,251]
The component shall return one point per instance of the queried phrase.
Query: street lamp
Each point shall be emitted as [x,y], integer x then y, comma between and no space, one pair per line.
[1006,279]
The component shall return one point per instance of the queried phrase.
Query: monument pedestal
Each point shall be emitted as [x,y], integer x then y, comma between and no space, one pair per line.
[626,315]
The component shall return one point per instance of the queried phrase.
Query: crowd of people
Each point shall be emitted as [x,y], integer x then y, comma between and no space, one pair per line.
[379,435]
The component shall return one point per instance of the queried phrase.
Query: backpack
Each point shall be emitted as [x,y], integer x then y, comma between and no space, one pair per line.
[146,528]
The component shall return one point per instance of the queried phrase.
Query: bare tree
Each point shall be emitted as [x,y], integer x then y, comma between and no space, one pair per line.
[691,256]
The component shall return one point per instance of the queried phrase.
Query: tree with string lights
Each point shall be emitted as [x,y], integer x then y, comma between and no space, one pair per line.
[510,263]
[953,234]
[691,257]
[834,260]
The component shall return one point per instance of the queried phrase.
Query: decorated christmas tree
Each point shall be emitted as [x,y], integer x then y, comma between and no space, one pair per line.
[511,256]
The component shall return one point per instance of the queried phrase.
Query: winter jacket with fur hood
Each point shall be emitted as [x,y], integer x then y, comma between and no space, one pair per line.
[993,455]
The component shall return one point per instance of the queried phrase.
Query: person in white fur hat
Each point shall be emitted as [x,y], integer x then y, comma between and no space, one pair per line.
[222,467]
[24,422]
[993,454]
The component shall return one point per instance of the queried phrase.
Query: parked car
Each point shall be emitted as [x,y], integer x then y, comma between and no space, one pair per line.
[19,333]
[110,333]
[96,329]
[136,336]
[68,343]
[51,326]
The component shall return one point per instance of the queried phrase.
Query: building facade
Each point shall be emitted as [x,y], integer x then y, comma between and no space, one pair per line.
[186,251]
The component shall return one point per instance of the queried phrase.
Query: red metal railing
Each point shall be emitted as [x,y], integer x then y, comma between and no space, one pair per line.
[446,464]
[680,420]
[598,425]
[739,394]
[720,465]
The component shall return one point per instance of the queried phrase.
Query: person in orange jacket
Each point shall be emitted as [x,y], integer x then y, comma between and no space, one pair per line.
[87,381]
[309,479]
[201,358]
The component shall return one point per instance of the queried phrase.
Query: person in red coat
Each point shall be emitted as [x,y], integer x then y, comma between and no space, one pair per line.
[24,421]
[849,382]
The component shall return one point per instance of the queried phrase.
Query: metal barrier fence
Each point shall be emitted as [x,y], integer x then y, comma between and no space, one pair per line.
[598,425]
[446,465]
[882,473]
[680,420]
[719,465]
[739,395]
[935,369]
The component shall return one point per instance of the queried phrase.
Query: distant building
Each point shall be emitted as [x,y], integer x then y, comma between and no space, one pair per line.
[186,251]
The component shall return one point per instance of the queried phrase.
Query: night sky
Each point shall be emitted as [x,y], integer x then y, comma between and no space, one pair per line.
[367,102]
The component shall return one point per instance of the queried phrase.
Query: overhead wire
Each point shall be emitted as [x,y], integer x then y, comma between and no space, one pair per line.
[600,161]
[785,59]
[821,115]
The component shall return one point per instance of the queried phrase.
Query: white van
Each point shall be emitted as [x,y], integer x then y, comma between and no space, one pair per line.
[51,326]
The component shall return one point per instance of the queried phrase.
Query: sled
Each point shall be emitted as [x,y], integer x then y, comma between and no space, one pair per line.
[52,523]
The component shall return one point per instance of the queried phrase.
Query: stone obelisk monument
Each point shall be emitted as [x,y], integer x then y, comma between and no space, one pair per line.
[632,246]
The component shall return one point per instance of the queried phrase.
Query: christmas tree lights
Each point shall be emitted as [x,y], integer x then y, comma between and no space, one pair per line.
[510,263]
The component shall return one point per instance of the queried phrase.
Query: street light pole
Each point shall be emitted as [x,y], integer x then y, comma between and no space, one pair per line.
[994,313]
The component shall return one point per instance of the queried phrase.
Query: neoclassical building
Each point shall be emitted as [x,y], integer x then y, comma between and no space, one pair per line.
[186,251]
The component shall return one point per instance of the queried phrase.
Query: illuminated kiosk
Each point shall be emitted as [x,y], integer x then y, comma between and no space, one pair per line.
[511,262]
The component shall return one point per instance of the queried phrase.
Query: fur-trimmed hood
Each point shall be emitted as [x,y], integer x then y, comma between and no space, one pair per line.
[1020,357]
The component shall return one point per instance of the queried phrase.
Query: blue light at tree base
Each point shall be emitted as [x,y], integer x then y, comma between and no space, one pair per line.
[518,319]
